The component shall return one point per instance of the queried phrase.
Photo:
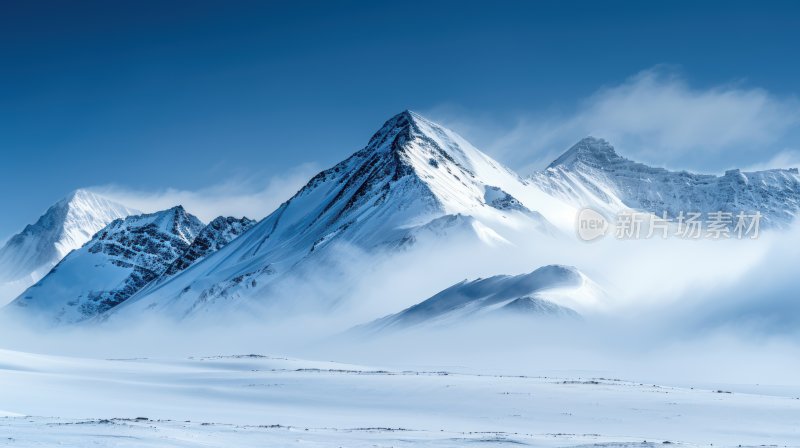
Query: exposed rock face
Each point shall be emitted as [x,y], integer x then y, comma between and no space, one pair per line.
[216,235]
[118,261]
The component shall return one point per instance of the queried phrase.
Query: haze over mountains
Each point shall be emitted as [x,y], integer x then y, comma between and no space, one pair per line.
[414,182]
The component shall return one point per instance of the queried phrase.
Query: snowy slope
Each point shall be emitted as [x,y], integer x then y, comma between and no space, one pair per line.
[591,173]
[112,266]
[64,227]
[547,291]
[412,175]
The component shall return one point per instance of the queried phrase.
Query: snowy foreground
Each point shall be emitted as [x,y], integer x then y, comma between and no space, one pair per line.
[241,401]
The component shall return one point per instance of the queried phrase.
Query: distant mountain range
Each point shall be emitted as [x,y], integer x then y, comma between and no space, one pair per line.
[592,174]
[413,181]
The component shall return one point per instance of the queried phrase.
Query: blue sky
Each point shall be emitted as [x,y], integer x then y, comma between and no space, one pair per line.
[180,100]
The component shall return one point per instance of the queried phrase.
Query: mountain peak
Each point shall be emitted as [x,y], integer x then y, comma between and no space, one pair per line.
[178,210]
[65,226]
[401,124]
[590,150]
[409,138]
[412,174]
[79,193]
[175,220]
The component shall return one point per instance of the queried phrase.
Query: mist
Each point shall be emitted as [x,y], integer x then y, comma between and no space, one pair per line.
[673,310]
[240,196]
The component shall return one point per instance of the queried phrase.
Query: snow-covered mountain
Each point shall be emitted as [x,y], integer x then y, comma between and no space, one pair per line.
[413,177]
[591,173]
[548,291]
[414,181]
[118,261]
[66,226]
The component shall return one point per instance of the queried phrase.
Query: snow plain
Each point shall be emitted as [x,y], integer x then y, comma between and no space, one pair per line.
[254,400]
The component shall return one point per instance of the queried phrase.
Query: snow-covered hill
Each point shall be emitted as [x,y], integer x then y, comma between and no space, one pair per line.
[64,227]
[413,176]
[591,173]
[118,261]
[548,291]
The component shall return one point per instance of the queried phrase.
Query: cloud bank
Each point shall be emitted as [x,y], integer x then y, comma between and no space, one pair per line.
[655,116]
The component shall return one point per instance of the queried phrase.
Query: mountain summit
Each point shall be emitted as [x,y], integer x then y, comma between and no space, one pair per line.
[591,151]
[414,178]
[64,227]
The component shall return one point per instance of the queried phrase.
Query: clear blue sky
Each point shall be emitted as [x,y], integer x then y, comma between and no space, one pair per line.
[156,94]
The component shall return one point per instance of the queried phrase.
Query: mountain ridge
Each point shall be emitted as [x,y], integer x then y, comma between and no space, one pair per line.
[119,260]
[414,182]
[592,174]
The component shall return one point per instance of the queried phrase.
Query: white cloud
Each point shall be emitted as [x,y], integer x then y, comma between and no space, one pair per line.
[654,116]
[235,197]
[784,159]
[662,109]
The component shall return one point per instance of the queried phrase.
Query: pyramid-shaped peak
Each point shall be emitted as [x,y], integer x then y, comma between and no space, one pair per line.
[407,116]
[65,226]
[409,131]
[82,200]
[400,124]
[594,142]
[79,194]
[82,194]
[588,150]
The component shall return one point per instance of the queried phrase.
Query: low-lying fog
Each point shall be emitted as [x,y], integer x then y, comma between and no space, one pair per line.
[723,311]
